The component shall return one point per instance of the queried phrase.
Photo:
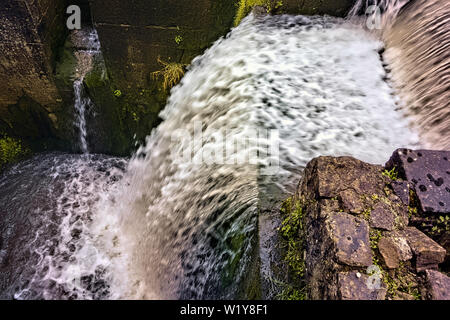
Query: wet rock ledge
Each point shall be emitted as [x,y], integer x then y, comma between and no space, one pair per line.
[368,232]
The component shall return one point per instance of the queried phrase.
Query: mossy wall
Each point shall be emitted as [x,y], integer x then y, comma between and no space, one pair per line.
[137,38]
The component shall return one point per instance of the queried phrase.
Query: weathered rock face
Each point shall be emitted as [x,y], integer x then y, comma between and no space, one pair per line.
[428,172]
[357,239]
[353,286]
[30,104]
[425,175]
[438,285]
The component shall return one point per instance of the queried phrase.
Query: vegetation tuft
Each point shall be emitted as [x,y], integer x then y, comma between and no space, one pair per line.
[392,174]
[292,231]
[171,73]
[245,6]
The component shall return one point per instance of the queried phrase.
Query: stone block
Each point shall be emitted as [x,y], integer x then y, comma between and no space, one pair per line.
[427,252]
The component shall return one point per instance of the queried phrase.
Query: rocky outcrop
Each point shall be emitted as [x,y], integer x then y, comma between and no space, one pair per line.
[424,184]
[357,238]
[31,107]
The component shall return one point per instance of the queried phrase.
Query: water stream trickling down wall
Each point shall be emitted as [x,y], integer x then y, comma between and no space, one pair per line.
[87,42]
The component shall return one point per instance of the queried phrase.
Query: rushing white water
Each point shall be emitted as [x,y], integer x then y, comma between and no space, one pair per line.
[48,250]
[387,10]
[416,34]
[179,228]
[317,81]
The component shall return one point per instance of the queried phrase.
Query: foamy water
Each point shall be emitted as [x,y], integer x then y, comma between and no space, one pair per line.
[417,36]
[167,228]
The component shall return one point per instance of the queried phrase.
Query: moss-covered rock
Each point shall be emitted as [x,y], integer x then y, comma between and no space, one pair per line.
[356,234]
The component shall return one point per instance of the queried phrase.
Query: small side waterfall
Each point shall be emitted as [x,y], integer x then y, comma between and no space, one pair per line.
[81,102]
[417,38]
[89,48]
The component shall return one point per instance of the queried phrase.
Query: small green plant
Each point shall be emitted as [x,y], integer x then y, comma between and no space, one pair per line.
[178,39]
[442,225]
[392,174]
[171,73]
[412,211]
[366,214]
[275,6]
[117,93]
[245,6]
[375,236]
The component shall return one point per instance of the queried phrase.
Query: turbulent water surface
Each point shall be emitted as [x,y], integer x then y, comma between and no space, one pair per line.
[180,219]
[417,38]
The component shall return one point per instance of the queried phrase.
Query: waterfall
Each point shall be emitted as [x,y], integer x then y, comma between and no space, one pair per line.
[182,219]
[416,34]
[86,40]
[188,225]
[81,102]
[387,9]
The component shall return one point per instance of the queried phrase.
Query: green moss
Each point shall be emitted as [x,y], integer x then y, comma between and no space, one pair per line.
[178,39]
[366,214]
[11,151]
[95,78]
[291,293]
[375,236]
[391,174]
[245,7]
[66,65]
[292,231]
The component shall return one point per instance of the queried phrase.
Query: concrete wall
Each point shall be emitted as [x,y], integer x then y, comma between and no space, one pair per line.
[133,35]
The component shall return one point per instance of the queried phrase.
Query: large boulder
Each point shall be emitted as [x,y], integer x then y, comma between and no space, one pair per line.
[356,236]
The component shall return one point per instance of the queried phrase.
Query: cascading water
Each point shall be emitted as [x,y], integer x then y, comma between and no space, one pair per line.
[416,34]
[181,221]
[81,102]
[89,48]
